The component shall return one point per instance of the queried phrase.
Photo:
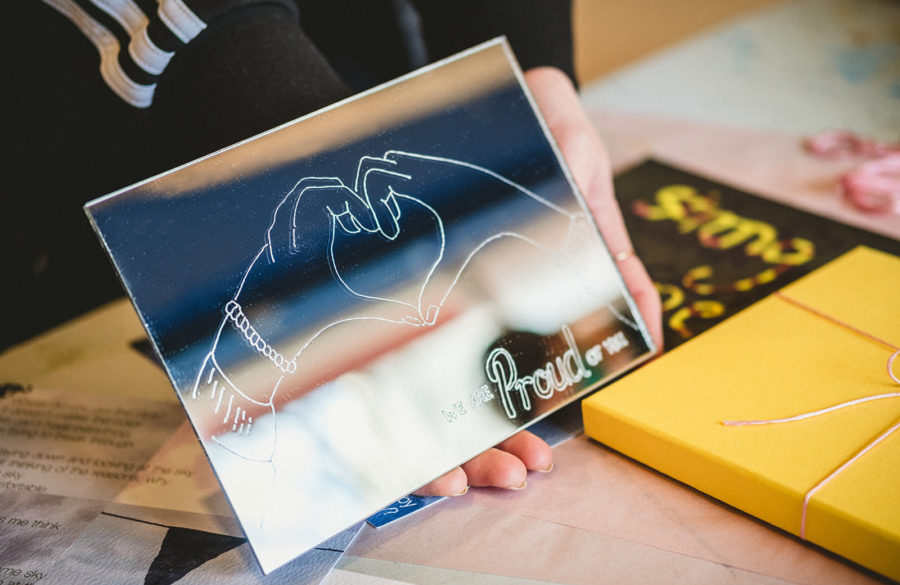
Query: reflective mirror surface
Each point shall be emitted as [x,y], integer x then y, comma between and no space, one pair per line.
[354,303]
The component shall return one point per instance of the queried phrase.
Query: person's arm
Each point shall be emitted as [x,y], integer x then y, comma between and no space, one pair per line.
[255,69]
[249,71]
[539,31]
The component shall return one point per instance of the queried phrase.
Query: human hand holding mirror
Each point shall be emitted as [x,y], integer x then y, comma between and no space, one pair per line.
[390,194]
[507,464]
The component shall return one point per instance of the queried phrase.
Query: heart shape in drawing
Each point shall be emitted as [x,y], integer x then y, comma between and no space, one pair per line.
[392,261]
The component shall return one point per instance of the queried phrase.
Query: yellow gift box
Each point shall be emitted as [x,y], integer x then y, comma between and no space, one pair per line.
[822,342]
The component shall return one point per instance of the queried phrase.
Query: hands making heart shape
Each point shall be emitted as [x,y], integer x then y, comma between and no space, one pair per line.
[387,250]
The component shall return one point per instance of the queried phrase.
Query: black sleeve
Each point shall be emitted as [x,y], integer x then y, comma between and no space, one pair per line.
[69,138]
[539,31]
[249,72]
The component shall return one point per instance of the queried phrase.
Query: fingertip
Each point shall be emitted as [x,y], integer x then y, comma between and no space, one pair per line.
[496,468]
[452,483]
[638,281]
[533,451]
[518,487]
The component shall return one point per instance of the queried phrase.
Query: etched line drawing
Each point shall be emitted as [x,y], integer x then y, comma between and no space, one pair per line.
[321,227]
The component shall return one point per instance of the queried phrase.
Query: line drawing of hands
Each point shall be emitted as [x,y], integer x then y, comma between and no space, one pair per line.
[325,241]
[308,233]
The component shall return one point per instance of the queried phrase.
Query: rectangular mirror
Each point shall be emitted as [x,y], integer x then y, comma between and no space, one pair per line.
[354,303]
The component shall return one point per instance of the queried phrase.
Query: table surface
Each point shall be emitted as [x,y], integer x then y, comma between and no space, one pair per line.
[600,517]
[802,66]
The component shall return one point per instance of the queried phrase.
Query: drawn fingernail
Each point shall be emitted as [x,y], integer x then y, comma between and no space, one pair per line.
[347,222]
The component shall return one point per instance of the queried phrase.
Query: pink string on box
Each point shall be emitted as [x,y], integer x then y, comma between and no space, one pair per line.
[868,447]
[873,187]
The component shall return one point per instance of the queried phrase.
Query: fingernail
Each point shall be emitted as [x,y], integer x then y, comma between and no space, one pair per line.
[521,486]
[547,470]
[462,493]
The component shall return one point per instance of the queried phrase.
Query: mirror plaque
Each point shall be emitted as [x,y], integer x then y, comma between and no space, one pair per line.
[356,302]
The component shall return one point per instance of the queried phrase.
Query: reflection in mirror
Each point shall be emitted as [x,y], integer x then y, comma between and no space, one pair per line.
[356,302]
